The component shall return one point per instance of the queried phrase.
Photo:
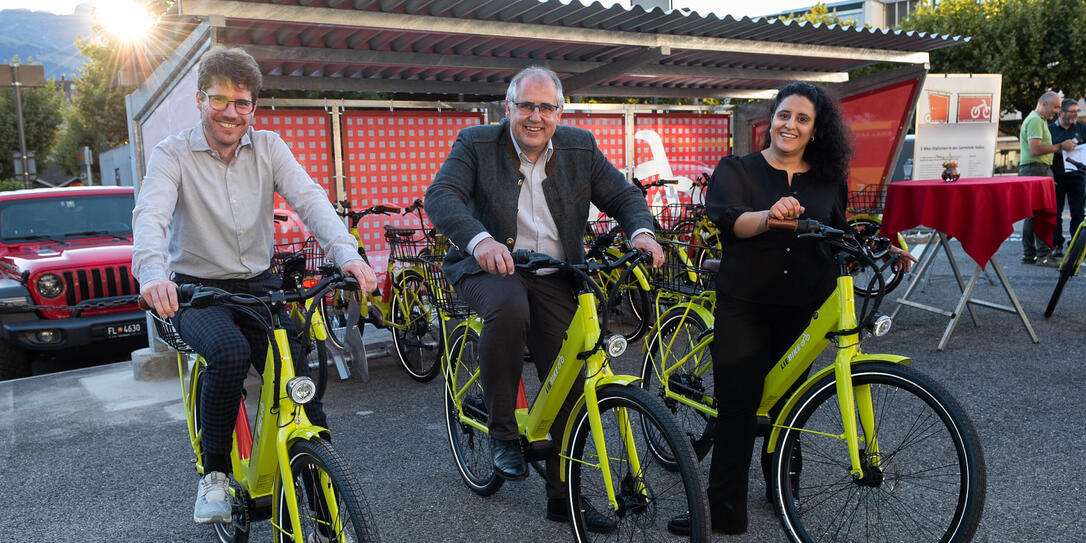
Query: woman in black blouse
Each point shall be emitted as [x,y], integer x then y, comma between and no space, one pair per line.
[770,282]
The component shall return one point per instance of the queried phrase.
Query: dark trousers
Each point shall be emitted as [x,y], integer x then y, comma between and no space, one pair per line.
[1031,246]
[517,311]
[1071,189]
[749,339]
[231,341]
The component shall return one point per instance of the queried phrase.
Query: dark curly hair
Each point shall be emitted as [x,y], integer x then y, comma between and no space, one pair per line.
[831,150]
[229,64]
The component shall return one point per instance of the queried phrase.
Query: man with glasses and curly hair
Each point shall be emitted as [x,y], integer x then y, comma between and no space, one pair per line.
[526,183]
[204,215]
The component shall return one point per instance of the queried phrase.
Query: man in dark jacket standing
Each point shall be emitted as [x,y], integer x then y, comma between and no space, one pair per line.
[526,183]
[1070,181]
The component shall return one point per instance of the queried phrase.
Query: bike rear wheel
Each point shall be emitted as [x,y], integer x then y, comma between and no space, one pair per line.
[1067,269]
[924,473]
[676,337]
[648,495]
[321,478]
[470,445]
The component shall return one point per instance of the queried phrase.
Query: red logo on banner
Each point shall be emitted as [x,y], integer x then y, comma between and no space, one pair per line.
[974,108]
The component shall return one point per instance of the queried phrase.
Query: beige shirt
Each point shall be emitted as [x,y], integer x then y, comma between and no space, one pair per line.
[200,216]
[536,230]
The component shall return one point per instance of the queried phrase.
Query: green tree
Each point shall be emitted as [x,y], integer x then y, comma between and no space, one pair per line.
[1036,44]
[42,116]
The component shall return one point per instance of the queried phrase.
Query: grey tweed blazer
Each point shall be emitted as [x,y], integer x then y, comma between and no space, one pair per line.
[478,187]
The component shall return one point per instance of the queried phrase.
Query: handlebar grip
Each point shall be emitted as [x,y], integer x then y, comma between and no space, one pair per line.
[521,256]
[184,294]
[799,226]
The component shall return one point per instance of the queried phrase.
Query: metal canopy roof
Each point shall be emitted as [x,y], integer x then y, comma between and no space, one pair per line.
[474,47]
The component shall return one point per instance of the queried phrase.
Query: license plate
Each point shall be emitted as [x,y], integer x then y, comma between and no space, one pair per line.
[124,330]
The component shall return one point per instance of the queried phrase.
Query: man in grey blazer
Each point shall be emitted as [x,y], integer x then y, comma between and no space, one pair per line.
[526,183]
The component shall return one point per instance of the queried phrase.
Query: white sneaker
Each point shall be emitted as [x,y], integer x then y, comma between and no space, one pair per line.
[213,499]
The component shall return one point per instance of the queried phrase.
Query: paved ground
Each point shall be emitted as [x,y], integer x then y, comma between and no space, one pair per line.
[91,455]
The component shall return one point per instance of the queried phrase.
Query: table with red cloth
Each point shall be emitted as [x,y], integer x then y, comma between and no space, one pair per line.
[978,212]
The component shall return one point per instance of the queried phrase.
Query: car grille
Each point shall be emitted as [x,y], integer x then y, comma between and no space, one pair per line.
[93,283]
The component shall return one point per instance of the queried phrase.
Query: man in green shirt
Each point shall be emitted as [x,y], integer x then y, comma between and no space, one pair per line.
[1037,149]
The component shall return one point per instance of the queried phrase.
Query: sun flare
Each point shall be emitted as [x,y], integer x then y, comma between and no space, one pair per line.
[127,20]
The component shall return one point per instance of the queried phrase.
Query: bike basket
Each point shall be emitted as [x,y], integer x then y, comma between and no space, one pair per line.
[309,249]
[439,290]
[870,199]
[670,215]
[682,271]
[168,334]
[406,244]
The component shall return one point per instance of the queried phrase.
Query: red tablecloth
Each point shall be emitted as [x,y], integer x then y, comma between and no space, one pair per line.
[979,212]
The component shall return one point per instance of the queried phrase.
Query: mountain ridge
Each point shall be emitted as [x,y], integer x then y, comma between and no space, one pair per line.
[39,37]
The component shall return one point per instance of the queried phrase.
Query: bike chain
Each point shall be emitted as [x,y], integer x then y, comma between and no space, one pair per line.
[82,306]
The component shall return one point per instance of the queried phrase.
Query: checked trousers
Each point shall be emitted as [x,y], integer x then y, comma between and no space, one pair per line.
[231,341]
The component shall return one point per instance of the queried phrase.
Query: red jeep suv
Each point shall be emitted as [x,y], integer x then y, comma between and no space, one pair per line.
[65,272]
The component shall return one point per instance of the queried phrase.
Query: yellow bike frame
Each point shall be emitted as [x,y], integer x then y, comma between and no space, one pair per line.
[838,312]
[534,422]
[279,424]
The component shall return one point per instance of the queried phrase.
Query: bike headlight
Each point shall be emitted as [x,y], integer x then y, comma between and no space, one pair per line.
[615,345]
[881,326]
[50,285]
[301,390]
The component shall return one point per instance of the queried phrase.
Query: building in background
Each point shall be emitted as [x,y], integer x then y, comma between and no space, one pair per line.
[876,13]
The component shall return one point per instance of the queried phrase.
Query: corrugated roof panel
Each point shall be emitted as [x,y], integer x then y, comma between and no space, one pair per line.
[315,44]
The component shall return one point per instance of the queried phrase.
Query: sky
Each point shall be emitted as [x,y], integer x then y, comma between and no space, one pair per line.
[735,8]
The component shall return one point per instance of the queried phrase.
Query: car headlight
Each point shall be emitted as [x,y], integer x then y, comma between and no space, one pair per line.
[50,285]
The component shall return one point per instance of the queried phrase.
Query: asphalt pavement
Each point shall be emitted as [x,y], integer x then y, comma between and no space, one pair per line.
[90,455]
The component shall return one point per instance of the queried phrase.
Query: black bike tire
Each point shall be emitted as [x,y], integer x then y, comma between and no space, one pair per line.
[675,317]
[481,478]
[319,454]
[639,517]
[428,361]
[1067,269]
[239,528]
[894,280]
[946,414]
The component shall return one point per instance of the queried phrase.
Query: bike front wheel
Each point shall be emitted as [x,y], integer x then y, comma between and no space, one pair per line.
[1067,268]
[648,494]
[470,445]
[331,506]
[923,467]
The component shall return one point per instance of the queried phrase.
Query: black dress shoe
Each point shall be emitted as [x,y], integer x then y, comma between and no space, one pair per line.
[508,460]
[679,524]
[593,519]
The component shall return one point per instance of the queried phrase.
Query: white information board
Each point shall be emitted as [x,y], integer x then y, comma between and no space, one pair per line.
[957,119]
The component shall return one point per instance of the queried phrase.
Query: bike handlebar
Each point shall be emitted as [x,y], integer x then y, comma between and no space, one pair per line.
[804,227]
[200,296]
[416,205]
